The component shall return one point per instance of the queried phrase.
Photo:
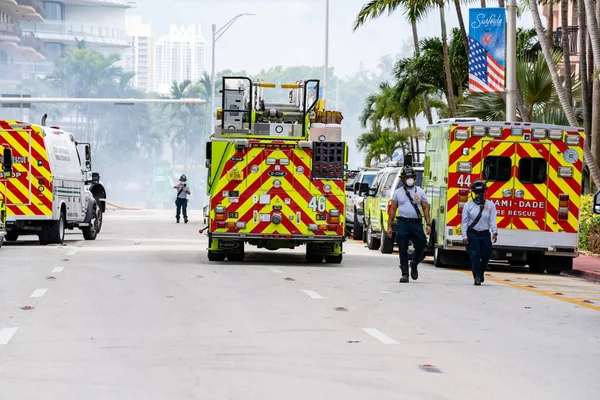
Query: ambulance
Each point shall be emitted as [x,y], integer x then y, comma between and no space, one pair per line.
[44,183]
[534,176]
[276,172]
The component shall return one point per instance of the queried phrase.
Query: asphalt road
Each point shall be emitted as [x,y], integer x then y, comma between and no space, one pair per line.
[140,313]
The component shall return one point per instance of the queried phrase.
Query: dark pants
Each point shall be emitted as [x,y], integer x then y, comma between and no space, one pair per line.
[480,250]
[181,204]
[410,231]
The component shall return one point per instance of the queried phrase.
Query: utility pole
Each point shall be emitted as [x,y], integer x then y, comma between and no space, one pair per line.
[511,61]
[326,53]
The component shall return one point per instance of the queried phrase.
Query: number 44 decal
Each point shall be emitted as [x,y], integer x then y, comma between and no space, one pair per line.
[318,204]
[464,181]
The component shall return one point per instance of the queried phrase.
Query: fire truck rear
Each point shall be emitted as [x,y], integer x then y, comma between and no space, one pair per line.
[276,174]
[534,177]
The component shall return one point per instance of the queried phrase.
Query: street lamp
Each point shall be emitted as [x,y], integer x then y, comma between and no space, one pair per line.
[216,35]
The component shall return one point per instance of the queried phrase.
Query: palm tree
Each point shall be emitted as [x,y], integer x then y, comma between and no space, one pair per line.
[560,90]
[388,141]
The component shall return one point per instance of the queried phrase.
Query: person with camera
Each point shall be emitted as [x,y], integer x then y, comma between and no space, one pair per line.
[478,219]
[182,198]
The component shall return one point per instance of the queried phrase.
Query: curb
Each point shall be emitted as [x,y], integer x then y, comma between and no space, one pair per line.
[592,276]
[121,207]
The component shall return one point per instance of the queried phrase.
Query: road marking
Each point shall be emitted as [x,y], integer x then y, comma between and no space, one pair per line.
[58,269]
[38,293]
[72,253]
[506,279]
[276,270]
[6,334]
[312,294]
[382,337]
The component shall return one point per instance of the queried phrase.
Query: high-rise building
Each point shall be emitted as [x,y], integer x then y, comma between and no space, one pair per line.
[101,23]
[179,56]
[140,57]
[17,46]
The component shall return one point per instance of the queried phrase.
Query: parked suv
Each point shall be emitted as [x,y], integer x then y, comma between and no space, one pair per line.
[355,217]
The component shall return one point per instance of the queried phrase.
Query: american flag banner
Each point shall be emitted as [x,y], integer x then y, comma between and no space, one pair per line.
[486,50]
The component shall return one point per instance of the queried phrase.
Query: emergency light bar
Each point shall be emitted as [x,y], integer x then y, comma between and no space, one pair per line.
[539,133]
[573,140]
[555,134]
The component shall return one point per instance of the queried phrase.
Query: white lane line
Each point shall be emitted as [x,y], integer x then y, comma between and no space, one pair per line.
[58,269]
[72,253]
[276,270]
[312,294]
[38,293]
[6,334]
[382,337]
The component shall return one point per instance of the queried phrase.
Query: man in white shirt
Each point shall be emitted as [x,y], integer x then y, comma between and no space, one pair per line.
[478,219]
[181,201]
[408,200]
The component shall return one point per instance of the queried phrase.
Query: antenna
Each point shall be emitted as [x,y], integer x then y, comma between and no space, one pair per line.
[44,119]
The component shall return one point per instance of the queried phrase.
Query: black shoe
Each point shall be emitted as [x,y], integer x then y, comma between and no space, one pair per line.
[185,220]
[477,281]
[404,279]
[414,273]
[177,219]
[482,277]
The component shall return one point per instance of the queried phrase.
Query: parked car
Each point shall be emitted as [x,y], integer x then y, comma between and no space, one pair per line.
[355,196]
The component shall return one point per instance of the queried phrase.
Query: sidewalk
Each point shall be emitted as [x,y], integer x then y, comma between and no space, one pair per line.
[587,267]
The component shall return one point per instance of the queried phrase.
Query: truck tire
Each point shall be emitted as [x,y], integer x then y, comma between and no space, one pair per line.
[100,215]
[90,232]
[439,258]
[372,242]
[337,259]
[56,231]
[387,244]
[214,256]
[357,229]
[12,236]
[44,236]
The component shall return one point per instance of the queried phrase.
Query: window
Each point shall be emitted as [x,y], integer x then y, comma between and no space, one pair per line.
[532,170]
[368,179]
[54,11]
[497,169]
[419,180]
[54,51]
[389,181]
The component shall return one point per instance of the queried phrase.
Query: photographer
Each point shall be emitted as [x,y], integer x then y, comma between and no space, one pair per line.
[182,198]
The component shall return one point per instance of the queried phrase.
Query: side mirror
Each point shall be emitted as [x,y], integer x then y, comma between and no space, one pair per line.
[363,188]
[408,160]
[597,202]
[349,187]
[95,177]
[372,192]
[208,152]
[7,162]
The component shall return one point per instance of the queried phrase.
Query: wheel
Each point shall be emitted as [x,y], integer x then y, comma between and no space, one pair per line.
[372,242]
[358,228]
[535,268]
[44,236]
[552,271]
[213,256]
[90,232]
[364,236]
[12,236]
[100,215]
[387,244]
[438,258]
[337,259]
[236,257]
[57,230]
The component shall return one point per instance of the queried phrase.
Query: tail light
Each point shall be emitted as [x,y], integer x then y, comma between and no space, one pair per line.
[332,227]
[322,227]
[563,207]
[221,225]
[220,213]
[334,216]
[463,197]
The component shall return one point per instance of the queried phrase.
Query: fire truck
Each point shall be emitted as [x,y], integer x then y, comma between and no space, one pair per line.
[534,177]
[276,173]
[44,182]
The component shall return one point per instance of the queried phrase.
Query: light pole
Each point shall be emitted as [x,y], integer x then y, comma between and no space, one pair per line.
[511,61]
[326,52]
[216,34]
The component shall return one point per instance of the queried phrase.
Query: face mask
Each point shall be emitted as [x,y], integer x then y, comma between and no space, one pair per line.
[479,199]
[410,182]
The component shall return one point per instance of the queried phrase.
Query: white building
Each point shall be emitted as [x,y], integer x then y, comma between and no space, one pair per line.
[140,57]
[101,23]
[179,56]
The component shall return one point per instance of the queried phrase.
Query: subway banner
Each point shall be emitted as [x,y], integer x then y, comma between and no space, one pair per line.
[486,49]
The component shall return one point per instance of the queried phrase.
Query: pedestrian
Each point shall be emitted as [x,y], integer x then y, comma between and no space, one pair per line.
[409,199]
[478,219]
[182,198]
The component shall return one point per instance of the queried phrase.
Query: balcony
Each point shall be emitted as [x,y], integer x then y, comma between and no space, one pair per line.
[10,75]
[23,10]
[69,32]
[31,48]
[9,32]
[573,38]
[105,3]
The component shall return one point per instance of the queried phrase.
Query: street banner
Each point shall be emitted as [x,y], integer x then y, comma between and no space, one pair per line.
[486,49]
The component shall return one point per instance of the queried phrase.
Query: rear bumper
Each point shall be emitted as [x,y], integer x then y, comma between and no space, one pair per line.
[299,238]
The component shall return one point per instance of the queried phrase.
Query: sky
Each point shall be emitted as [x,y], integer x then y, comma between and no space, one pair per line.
[292,32]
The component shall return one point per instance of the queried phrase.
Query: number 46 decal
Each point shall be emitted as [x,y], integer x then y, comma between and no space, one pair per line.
[464,181]
[318,204]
